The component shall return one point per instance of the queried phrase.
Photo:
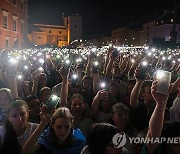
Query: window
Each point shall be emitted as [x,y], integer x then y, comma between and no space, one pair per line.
[14,25]
[5,19]
[22,26]
[14,22]
[60,32]
[22,5]
[50,31]
[39,37]
[15,43]
[5,22]
[171,20]
[7,43]
[14,2]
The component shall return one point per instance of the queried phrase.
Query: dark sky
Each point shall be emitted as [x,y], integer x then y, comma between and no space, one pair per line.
[99,17]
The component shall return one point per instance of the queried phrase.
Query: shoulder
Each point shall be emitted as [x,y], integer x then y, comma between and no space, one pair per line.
[78,137]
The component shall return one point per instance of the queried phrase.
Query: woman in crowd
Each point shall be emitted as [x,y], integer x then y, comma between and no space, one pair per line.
[59,137]
[101,106]
[100,140]
[80,111]
[121,120]
[17,129]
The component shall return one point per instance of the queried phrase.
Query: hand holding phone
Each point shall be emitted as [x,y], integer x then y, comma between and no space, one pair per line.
[163,81]
[52,103]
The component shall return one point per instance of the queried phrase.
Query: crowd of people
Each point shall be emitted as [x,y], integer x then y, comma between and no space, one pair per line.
[62,100]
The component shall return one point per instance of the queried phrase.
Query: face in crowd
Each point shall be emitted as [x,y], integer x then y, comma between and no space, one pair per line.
[18,115]
[61,124]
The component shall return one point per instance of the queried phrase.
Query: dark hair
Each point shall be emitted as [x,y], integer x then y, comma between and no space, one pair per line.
[11,144]
[30,98]
[61,112]
[116,108]
[147,83]
[111,99]
[76,96]
[99,136]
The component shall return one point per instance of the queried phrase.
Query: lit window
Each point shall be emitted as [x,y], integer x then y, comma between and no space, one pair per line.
[14,25]
[22,27]
[171,20]
[7,43]
[22,5]
[5,22]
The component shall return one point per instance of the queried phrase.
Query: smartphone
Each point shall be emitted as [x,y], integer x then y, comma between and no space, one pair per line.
[52,103]
[143,69]
[163,81]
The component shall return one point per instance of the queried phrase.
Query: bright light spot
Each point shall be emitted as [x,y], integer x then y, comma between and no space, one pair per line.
[96,63]
[13,61]
[103,84]
[41,60]
[54,97]
[159,74]
[74,76]
[26,67]
[144,63]
[153,49]
[19,77]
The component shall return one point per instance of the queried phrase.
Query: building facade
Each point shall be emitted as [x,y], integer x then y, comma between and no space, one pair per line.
[13,24]
[57,35]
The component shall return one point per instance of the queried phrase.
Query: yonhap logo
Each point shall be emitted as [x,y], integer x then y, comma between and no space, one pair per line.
[119,140]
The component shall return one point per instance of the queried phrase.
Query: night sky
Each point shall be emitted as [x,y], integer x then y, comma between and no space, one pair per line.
[99,17]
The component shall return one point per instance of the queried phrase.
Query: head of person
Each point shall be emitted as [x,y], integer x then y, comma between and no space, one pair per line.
[146,92]
[87,83]
[34,107]
[172,131]
[120,116]
[61,127]
[99,139]
[18,114]
[16,123]
[45,93]
[116,71]
[42,80]
[77,105]
[5,98]
[106,103]
[114,88]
